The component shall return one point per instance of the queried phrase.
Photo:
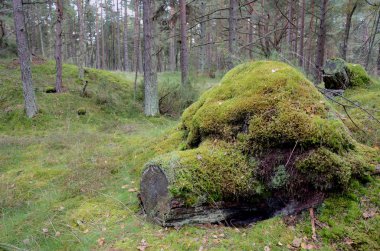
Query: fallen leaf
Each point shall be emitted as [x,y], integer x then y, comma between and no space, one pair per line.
[297,242]
[101,241]
[200,248]
[132,190]
[280,244]
[369,213]
[125,186]
[45,230]
[86,231]
[266,248]
[307,246]
[143,245]
[57,234]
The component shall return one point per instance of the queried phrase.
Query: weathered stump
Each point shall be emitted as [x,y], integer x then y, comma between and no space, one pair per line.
[336,74]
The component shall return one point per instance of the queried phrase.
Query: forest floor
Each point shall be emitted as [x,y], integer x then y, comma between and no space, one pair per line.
[70,182]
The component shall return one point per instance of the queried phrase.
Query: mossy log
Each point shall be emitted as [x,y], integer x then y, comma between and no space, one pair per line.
[340,75]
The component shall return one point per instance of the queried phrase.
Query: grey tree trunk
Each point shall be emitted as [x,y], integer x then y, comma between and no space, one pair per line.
[372,39]
[58,46]
[348,28]
[310,37]
[202,48]
[118,44]
[378,61]
[82,49]
[136,36]
[126,56]
[102,31]
[184,50]
[24,58]
[150,75]
[172,40]
[321,42]
[232,28]
[97,36]
[302,34]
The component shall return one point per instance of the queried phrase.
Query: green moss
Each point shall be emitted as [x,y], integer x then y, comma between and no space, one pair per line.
[213,172]
[358,75]
[81,111]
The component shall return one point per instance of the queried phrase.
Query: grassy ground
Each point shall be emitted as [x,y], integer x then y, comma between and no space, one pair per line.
[70,182]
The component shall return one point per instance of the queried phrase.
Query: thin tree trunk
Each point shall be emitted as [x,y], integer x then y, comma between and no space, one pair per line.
[58,45]
[378,62]
[232,28]
[172,40]
[310,37]
[347,29]
[321,43]
[202,48]
[136,35]
[126,56]
[102,31]
[82,48]
[150,75]
[97,36]
[250,35]
[24,59]
[301,52]
[118,44]
[184,50]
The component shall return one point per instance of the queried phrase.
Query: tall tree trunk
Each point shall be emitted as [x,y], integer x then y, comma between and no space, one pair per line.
[321,43]
[378,62]
[82,52]
[232,29]
[347,28]
[58,46]
[136,36]
[202,48]
[250,35]
[126,57]
[302,30]
[150,75]
[97,36]
[102,32]
[310,38]
[184,50]
[172,39]
[118,44]
[24,59]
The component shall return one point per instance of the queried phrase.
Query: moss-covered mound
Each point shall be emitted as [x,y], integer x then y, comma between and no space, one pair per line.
[338,74]
[264,134]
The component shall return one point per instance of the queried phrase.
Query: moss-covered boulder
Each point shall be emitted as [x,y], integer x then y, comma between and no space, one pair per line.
[338,74]
[263,138]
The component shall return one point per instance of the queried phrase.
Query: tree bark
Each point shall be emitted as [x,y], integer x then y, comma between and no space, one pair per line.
[126,56]
[172,39]
[58,46]
[24,59]
[202,49]
[302,30]
[102,32]
[97,36]
[232,28]
[347,29]
[310,37]
[118,44]
[184,50]
[150,75]
[136,35]
[82,45]
[372,39]
[321,42]
[378,62]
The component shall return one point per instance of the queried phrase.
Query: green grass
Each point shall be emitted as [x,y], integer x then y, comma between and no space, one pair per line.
[68,181]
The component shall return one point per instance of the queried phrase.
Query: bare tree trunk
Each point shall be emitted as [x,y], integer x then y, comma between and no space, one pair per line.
[348,28]
[232,28]
[58,45]
[172,39]
[136,35]
[102,31]
[126,57]
[82,48]
[250,35]
[321,43]
[378,62]
[310,38]
[202,48]
[150,75]
[24,58]
[301,52]
[97,36]
[184,50]
[118,44]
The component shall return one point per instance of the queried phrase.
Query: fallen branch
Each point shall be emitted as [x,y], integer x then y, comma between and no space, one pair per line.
[312,219]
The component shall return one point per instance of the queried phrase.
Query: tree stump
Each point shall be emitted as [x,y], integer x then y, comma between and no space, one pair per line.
[336,74]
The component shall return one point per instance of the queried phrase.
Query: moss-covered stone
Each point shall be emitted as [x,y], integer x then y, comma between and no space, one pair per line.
[264,132]
[338,74]
[81,111]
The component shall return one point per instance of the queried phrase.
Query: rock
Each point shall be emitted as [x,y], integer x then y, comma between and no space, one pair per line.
[340,75]
[263,142]
[50,89]
[81,111]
